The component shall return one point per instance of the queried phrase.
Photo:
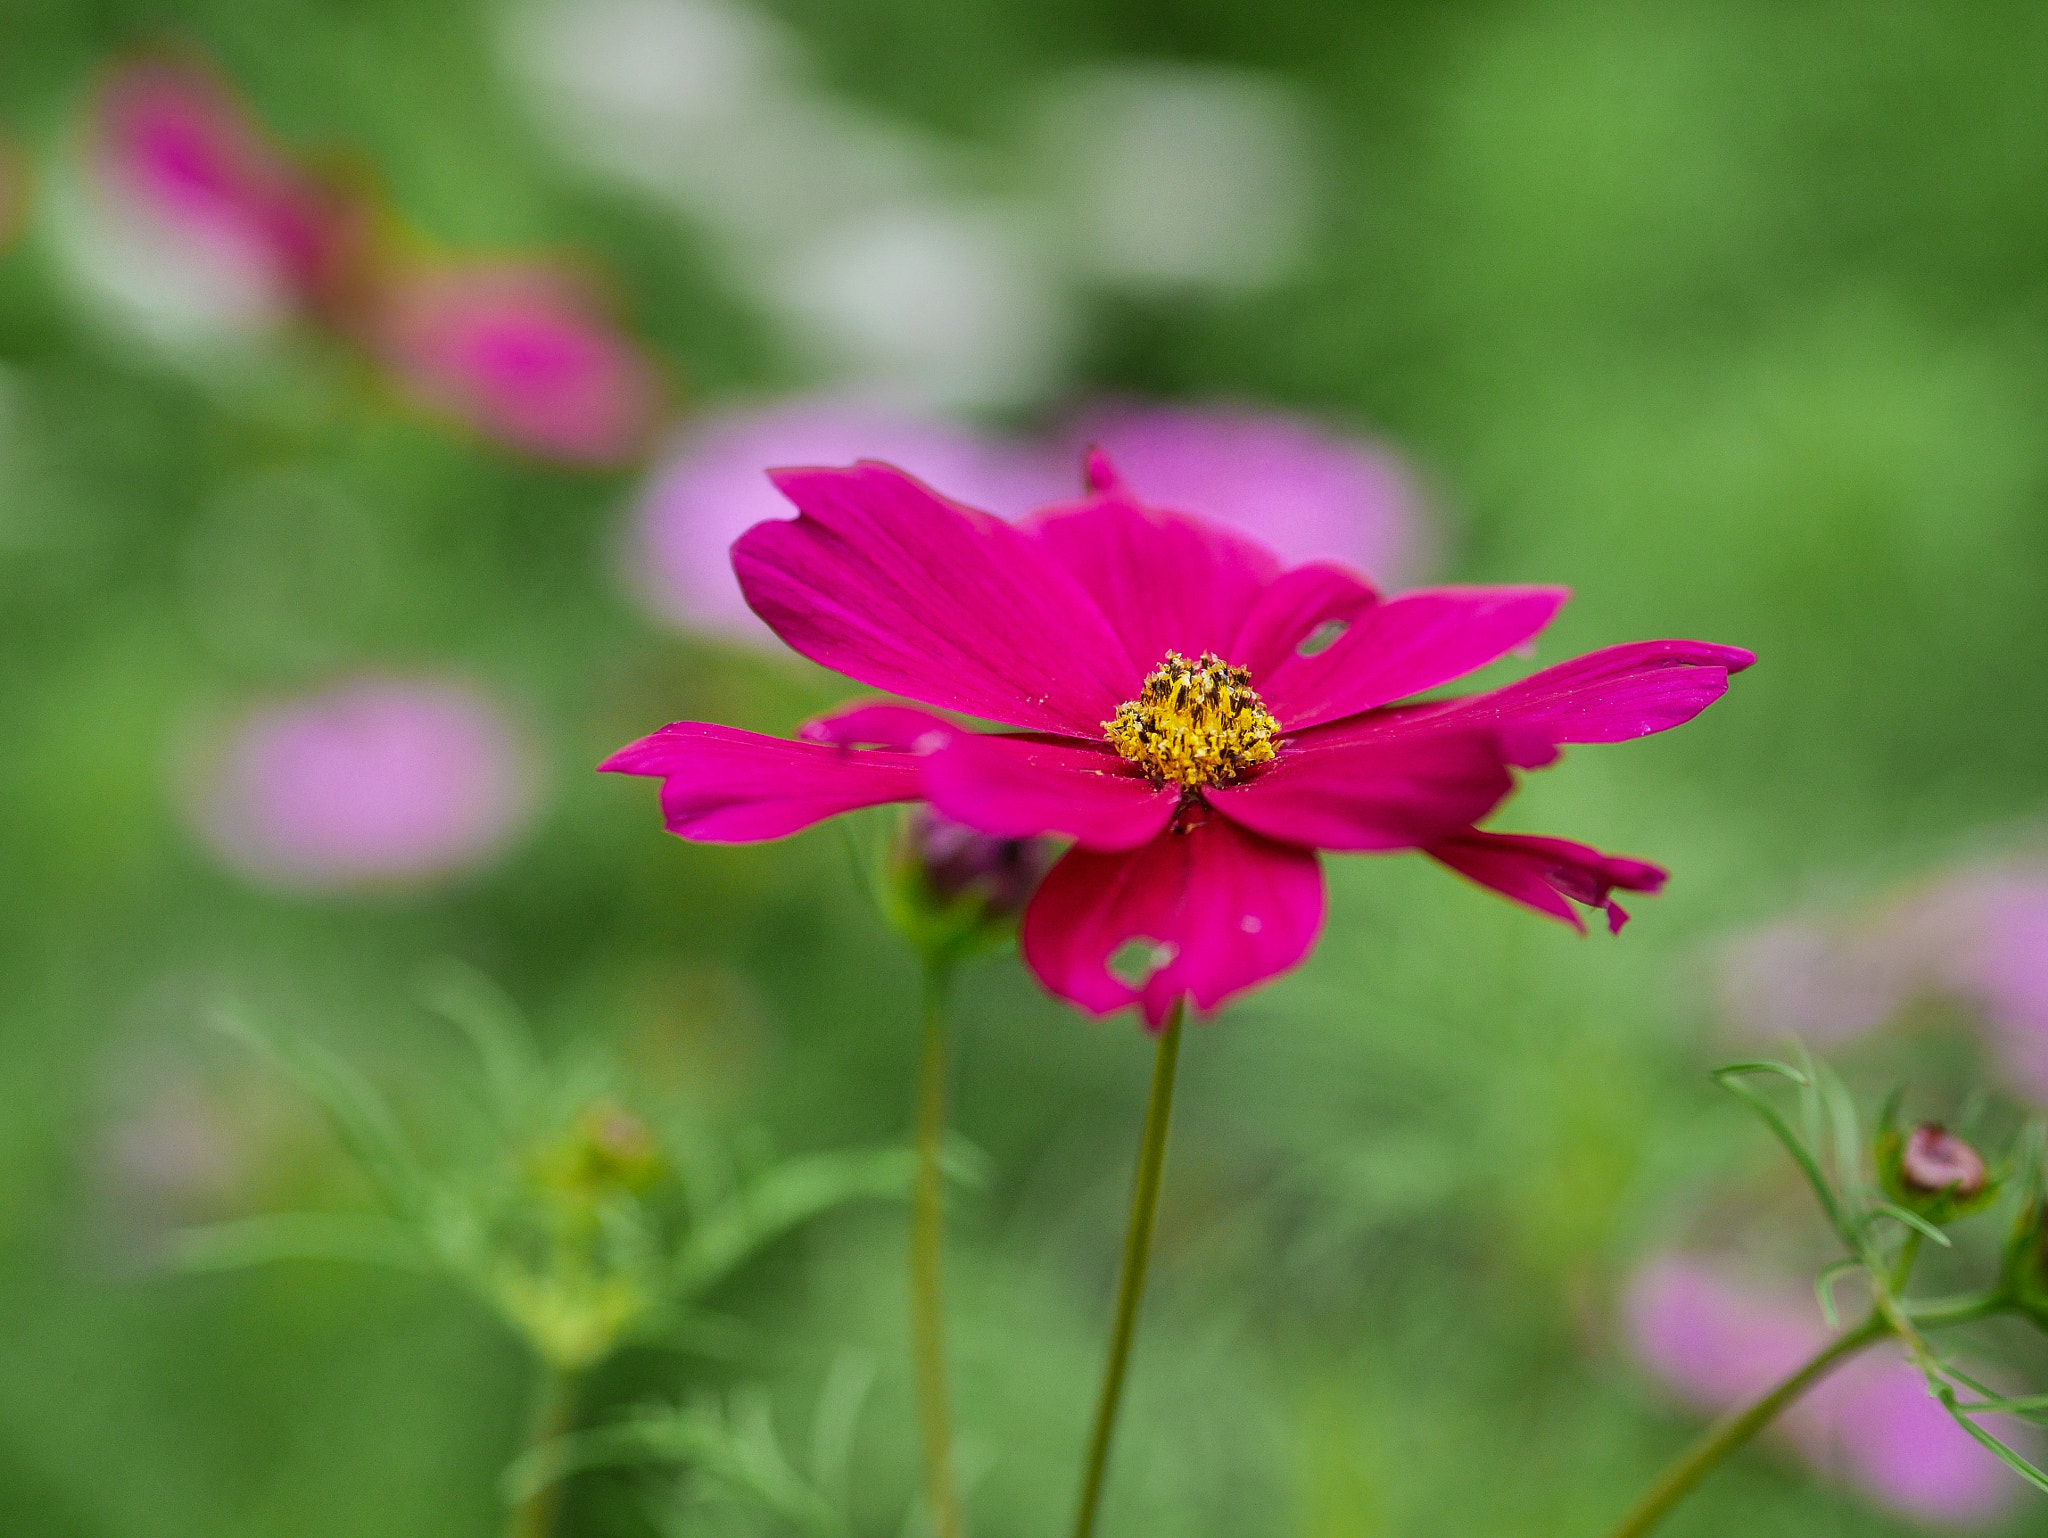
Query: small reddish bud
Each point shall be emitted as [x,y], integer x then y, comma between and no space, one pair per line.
[1934,1160]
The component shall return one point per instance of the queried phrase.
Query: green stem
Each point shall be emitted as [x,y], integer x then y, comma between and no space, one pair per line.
[927,1255]
[1732,1431]
[554,1412]
[1137,1251]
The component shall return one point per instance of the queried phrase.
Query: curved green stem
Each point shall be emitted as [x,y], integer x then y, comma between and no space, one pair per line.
[554,1414]
[1731,1432]
[1131,1284]
[927,1256]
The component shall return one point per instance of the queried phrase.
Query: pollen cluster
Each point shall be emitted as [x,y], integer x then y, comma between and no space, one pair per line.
[1197,723]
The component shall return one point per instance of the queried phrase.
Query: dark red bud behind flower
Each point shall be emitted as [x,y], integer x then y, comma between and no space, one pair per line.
[952,890]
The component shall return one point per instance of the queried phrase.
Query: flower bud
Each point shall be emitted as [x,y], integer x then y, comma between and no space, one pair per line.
[572,1250]
[1932,1172]
[1935,1160]
[952,891]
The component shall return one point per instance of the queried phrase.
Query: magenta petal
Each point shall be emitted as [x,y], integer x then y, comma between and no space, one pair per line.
[902,728]
[720,785]
[1015,787]
[891,584]
[1390,793]
[1166,581]
[1404,646]
[1293,608]
[1542,873]
[1223,908]
[1611,695]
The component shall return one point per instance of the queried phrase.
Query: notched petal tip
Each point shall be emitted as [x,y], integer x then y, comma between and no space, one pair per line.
[1549,875]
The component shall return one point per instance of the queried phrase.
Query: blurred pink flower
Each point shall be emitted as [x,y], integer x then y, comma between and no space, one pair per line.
[1718,1342]
[180,164]
[371,782]
[522,353]
[1979,935]
[713,486]
[1304,491]
[1822,985]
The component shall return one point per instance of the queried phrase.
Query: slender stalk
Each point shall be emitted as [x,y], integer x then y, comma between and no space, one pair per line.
[1137,1252]
[927,1257]
[1732,1431]
[554,1412]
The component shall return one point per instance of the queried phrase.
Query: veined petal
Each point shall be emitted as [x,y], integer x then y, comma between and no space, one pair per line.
[872,724]
[1222,909]
[1165,581]
[720,785]
[1018,787]
[1405,645]
[1384,793]
[884,580]
[1542,873]
[1291,610]
[1611,695]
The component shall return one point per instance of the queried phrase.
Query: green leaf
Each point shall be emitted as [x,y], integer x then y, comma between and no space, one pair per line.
[1840,1109]
[362,1238]
[1762,1065]
[1912,1220]
[360,1116]
[733,1446]
[1730,1080]
[778,1201]
[1824,1289]
[1998,1449]
[484,1013]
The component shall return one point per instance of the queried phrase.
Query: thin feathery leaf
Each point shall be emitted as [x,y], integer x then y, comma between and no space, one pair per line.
[359,1238]
[1839,1107]
[778,1201]
[496,1030]
[1728,1079]
[1824,1288]
[360,1116]
[2005,1455]
[1912,1220]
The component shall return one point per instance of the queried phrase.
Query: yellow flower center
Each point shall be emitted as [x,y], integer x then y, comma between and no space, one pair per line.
[1197,723]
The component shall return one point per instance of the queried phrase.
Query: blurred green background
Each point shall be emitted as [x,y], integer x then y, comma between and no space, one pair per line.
[1734,317]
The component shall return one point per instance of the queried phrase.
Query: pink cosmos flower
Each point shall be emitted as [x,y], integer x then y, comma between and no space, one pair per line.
[522,354]
[1199,720]
[1305,492]
[372,782]
[711,490]
[1718,1343]
[179,154]
[1978,935]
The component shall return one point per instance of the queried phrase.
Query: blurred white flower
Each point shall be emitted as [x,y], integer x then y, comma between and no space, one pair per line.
[1179,175]
[930,305]
[627,85]
[700,104]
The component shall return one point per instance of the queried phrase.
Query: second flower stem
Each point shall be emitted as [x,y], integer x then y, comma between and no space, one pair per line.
[1137,1252]
[927,1257]
[1727,1435]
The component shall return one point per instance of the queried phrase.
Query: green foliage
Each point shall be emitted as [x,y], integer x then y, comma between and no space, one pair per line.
[1727,314]
[568,1217]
